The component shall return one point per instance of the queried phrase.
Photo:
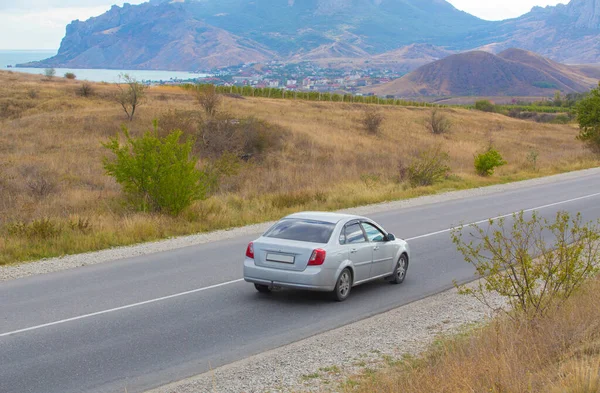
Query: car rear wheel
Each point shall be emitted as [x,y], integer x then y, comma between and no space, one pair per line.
[262,288]
[343,286]
[400,271]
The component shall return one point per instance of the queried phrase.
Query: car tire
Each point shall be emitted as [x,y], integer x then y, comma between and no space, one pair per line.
[400,270]
[343,286]
[262,288]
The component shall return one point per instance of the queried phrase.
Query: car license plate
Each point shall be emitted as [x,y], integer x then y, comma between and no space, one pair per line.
[280,258]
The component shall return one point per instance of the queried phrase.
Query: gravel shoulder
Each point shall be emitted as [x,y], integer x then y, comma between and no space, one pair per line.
[73,261]
[322,362]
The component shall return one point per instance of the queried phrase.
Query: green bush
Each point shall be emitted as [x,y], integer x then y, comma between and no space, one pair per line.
[486,163]
[485,106]
[533,263]
[428,168]
[70,75]
[159,174]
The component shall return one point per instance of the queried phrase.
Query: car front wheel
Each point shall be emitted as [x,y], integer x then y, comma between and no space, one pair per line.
[343,286]
[400,271]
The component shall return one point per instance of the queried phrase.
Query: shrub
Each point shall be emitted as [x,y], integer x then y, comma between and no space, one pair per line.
[532,158]
[70,75]
[372,120]
[85,90]
[32,93]
[131,94]
[50,73]
[158,174]
[293,199]
[485,106]
[486,163]
[427,168]
[438,123]
[246,138]
[184,120]
[80,224]
[532,263]
[42,229]
[41,187]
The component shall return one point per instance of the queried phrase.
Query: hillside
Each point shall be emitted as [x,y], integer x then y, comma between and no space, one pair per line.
[193,35]
[402,60]
[311,155]
[513,72]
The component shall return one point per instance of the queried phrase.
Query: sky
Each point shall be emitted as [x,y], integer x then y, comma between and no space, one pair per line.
[40,24]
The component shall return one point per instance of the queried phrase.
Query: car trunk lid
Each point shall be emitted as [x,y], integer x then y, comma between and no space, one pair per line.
[283,254]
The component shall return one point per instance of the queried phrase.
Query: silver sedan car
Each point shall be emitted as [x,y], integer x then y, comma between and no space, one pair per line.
[325,252]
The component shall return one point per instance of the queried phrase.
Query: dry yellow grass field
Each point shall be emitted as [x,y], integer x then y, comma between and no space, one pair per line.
[560,353]
[51,161]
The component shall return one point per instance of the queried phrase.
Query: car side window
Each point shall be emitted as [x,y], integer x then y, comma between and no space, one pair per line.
[354,234]
[373,233]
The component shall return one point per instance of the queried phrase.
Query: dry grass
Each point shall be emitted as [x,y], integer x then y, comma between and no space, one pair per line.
[50,161]
[560,354]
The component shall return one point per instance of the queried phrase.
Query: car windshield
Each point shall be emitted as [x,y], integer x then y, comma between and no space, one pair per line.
[302,230]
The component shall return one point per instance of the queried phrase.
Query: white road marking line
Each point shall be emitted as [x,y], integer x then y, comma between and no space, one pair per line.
[241,279]
[120,308]
[504,215]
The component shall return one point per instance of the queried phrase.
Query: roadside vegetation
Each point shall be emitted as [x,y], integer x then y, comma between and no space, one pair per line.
[259,159]
[546,337]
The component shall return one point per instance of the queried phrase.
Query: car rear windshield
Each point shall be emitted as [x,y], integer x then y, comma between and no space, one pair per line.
[302,230]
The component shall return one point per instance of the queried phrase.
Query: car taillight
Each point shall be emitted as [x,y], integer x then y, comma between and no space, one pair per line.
[250,250]
[317,258]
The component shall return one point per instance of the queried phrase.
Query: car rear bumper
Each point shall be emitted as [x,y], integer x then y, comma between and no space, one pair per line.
[314,278]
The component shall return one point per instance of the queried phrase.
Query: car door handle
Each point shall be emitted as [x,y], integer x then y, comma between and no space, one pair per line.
[353,251]
[375,248]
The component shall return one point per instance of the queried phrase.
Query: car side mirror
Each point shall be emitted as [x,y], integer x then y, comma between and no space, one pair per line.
[390,237]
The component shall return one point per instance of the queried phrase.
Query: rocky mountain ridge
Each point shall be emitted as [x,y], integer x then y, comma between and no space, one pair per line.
[192,35]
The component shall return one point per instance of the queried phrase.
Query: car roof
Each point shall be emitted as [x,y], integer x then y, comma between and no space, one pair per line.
[324,216]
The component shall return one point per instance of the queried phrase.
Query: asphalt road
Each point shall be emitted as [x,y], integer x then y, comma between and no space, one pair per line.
[139,323]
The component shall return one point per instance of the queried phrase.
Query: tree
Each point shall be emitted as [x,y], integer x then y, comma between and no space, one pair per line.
[533,263]
[557,99]
[50,73]
[70,75]
[131,94]
[158,174]
[588,116]
[207,96]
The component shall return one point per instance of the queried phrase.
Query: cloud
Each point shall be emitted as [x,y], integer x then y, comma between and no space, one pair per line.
[501,9]
[40,29]
[51,4]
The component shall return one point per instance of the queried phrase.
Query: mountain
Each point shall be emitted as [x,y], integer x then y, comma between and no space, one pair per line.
[567,33]
[201,34]
[513,72]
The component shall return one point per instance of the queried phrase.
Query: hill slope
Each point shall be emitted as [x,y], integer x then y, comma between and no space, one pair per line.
[512,72]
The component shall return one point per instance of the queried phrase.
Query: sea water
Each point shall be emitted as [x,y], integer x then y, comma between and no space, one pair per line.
[10,58]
